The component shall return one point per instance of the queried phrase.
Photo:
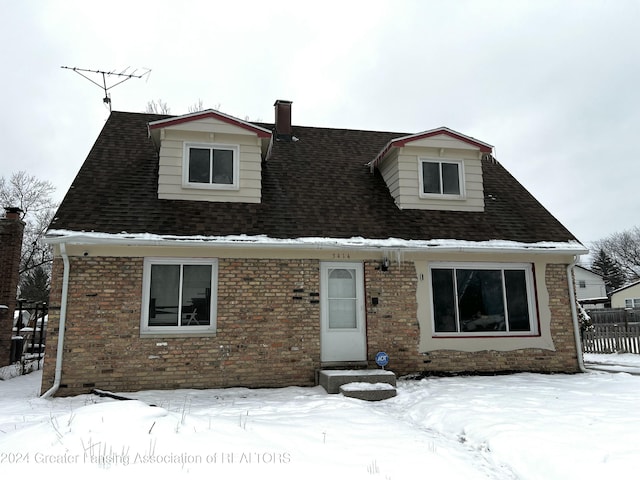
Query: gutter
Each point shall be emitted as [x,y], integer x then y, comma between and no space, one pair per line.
[61,325]
[261,242]
[574,316]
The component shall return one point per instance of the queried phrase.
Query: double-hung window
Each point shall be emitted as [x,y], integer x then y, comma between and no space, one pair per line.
[632,302]
[482,299]
[213,166]
[443,178]
[179,295]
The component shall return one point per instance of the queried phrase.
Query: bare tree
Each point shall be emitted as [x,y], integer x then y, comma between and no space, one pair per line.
[159,107]
[197,106]
[624,248]
[33,197]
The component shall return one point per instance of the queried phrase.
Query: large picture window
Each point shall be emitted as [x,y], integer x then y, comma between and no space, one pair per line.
[441,178]
[482,299]
[210,166]
[179,295]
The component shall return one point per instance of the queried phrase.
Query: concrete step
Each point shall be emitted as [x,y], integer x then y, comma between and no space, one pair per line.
[371,392]
[359,383]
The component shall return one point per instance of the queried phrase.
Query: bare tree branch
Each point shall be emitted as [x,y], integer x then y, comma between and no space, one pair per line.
[159,107]
[33,197]
[624,247]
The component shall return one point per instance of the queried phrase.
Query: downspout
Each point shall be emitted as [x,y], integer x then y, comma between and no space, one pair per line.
[62,323]
[574,315]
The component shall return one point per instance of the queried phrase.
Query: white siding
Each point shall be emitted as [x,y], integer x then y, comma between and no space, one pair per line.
[170,184]
[389,171]
[593,284]
[443,141]
[618,298]
[401,171]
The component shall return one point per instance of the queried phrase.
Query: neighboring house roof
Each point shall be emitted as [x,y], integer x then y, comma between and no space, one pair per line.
[317,186]
[625,287]
[587,270]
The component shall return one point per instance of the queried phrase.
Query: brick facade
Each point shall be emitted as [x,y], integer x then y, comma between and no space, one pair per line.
[268,333]
[392,326]
[11,233]
[268,329]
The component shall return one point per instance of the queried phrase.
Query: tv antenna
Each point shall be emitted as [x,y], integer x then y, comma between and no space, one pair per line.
[119,78]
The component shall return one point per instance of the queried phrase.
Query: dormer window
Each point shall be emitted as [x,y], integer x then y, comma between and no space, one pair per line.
[213,166]
[441,178]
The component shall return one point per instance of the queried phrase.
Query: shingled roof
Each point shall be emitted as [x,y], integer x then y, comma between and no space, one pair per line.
[318,186]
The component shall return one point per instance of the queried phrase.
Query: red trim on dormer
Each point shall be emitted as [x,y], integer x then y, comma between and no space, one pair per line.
[261,132]
[402,141]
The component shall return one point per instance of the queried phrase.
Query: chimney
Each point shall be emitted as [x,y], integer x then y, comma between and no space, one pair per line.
[11,232]
[283,120]
[12,213]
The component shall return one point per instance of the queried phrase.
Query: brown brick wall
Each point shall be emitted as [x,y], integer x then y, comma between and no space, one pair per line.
[268,329]
[392,324]
[11,232]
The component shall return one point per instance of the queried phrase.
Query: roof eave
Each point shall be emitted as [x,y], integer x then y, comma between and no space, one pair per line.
[402,141]
[316,243]
[191,117]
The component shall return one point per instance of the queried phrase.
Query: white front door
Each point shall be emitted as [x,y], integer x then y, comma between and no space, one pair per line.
[343,329]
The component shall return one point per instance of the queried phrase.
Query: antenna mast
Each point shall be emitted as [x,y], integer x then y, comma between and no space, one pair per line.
[120,78]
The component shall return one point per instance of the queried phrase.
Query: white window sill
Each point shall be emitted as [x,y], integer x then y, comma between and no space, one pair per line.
[174,334]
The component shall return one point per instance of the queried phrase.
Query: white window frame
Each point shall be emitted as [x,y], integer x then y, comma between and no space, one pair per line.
[187,330]
[632,302]
[440,161]
[531,299]
[211,186]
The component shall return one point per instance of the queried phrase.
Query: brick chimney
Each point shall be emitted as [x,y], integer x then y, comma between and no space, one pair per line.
[11,232]
[283,120]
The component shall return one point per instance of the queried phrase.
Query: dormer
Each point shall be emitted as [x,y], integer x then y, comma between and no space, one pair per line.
[209,156]
[438,169]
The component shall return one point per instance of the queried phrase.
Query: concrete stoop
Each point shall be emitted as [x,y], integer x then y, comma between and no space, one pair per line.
[371,385]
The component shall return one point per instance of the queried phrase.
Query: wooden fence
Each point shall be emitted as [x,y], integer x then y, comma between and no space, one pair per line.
[614,315]
[612,338]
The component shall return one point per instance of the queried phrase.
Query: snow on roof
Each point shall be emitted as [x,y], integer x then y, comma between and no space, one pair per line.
[72,237]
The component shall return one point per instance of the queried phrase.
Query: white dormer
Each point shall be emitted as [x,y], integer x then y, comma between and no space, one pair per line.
[434,170]
[209,156]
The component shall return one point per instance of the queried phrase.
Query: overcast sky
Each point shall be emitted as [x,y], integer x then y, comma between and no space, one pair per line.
[553,85]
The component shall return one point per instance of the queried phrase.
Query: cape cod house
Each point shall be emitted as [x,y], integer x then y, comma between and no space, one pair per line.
[203,251]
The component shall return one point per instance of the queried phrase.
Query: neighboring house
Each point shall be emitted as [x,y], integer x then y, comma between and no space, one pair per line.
[626,297]
[590,288]
[205,251]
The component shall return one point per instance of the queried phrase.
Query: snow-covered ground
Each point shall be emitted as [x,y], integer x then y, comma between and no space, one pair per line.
[523,426]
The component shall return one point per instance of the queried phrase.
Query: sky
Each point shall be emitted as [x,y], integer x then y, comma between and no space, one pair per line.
[552,85]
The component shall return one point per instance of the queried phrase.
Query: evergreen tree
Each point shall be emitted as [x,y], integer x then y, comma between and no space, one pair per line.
[34,285]
[609,269]
[624,248]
